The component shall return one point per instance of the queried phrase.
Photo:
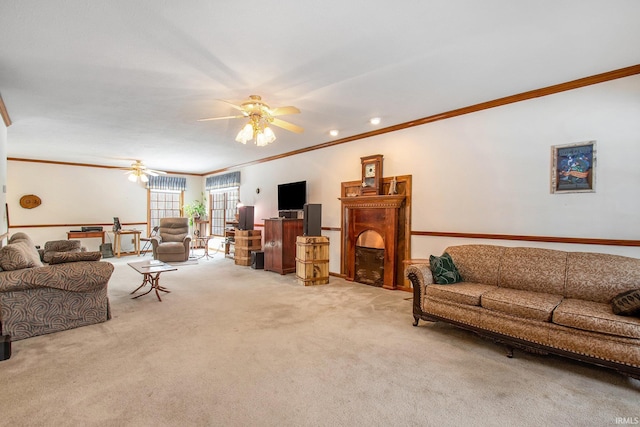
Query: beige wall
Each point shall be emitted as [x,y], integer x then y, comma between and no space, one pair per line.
[489,172]
[486,172]
[78,195]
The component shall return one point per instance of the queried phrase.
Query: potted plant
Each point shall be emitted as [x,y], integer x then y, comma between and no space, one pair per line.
[195,210]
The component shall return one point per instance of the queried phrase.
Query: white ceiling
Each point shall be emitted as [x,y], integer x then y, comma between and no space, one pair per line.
[105,81]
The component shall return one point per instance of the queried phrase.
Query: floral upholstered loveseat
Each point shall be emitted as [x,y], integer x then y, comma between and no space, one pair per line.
[37,298]
[542,300]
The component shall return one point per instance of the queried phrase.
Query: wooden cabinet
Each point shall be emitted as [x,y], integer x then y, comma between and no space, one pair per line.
[280,244]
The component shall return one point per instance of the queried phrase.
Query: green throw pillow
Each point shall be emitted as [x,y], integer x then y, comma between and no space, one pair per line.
[627,303]
[444,270]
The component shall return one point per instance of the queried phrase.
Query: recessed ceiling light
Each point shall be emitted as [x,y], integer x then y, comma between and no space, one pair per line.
[375,121]
[333,132]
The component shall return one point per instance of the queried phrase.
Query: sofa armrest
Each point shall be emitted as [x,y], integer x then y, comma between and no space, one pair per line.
[419,274]
[420,277]
[82,276]
[187,242]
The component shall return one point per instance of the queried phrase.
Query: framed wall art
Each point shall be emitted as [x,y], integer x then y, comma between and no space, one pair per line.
[573,168]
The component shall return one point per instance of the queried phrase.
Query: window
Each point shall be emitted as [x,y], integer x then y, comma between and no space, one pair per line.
[224,193]
[165,198]
[164,204]
[224,204]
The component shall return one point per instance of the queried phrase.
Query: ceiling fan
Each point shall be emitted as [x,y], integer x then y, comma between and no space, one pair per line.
[138,171]
[260,116]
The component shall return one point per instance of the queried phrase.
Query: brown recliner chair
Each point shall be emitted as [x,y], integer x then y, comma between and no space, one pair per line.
[173,240]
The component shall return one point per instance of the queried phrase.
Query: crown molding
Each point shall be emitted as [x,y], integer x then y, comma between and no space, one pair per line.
[89,165]
[4,113]
[536,93]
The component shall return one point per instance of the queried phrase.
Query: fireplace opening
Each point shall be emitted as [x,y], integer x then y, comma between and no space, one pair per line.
[369,262]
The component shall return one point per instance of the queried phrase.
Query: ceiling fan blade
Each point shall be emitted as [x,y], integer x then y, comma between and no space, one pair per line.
[154,172]
[281,111]
[237,107]
[222,118]
[286,125]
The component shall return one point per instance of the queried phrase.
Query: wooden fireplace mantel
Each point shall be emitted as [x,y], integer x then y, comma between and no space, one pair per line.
[378,211]
[383,215]
[375,202]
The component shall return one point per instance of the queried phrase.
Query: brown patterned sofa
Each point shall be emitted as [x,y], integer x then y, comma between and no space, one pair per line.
[540,300]
[38,298]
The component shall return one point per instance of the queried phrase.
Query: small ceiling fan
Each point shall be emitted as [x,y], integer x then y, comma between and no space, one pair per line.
[260,116]
[138,171]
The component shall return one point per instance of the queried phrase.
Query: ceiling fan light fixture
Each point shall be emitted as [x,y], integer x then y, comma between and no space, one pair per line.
[269,135]
[261,140]
[260,116]
[245,134]
[139,172]
[257,130]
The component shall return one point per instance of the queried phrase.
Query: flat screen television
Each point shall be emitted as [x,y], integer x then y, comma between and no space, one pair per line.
[292,196]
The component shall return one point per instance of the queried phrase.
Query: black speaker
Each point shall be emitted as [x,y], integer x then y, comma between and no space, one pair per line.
[5,347]
[245,218]
[107,250]
[257,260]
[312,220]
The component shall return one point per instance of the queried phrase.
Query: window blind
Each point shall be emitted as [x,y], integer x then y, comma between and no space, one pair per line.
[227,180]
[162,182]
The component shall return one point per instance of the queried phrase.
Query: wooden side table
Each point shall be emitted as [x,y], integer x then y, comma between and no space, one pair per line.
[118,242]
[229,236]
[72,235]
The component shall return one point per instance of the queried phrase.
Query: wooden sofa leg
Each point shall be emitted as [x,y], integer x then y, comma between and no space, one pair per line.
[509,351]
[416,320]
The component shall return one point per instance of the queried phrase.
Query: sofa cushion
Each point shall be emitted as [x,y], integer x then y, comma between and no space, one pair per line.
[171,248]
[516,302]
[533,269]
[173,229]
[477,263]
[18,255]
[462,293]
[443,269]
[62,257]
[54,247]
[627,303]
[595,317]
[20,236]
[600,277]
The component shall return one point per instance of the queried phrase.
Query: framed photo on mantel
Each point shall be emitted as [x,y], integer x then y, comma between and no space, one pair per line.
[573,168]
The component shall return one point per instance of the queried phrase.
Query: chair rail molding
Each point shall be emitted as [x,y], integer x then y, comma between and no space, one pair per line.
[549,239]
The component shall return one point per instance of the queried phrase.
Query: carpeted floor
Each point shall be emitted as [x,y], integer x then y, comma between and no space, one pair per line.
[233,346]
[191,261]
